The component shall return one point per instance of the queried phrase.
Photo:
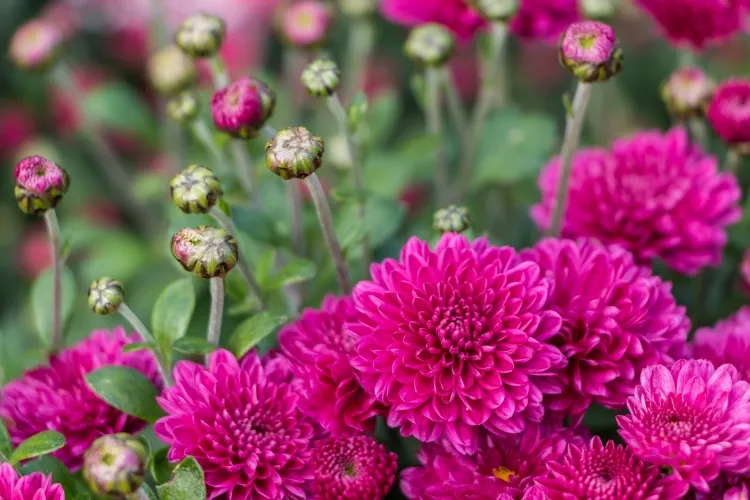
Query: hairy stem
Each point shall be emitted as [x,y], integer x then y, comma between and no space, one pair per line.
[434,116]
[217,311]
[162,360]
[55,238]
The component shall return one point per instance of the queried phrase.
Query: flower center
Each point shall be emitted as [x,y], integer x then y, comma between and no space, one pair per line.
[349,469]
[586,41]
[503,473]
[458,327]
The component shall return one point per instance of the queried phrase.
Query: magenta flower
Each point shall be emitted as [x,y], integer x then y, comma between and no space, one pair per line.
[40,184]
[544,20]
[244,428]
[727,342]
[319,347]
[608,471]
[455,15]
[35,44]
[57,397]
[242,108]
[352,468]
[727,487]
[692,419]
[589,49]
[729,112]
[501,468]
[655,194]
[618,318]
[454,340]
[35,486]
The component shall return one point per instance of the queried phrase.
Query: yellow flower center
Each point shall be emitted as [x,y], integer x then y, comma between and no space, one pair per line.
[503,473]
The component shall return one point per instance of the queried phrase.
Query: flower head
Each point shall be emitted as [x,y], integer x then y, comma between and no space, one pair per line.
[244,429]
[729,113]
[692,419]
[352,467]
[195,190]
[34,486]
[589,50]
[608,471]
[618,318]
[495,10]
[687,93]
[430,45]
[242,108]
[170,71]
[201,35]
[454,340]
[544,20]
[115,465]
[207,251]
[451,219]
[463,21]
[294,153]
[321,78]
[655,194]
[106,295]
[727,342]
[183,108]
[35,45]
[40,184]
[319,347]
[57,397]
[306,24]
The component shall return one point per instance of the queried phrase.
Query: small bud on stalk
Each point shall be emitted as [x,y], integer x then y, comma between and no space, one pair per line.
[590,51]
[170,71]
[242,108]
[201,35]
[183,108]
[40,184]
[430,45]
[195,190]
[35,45]
[452,219]
[358,8]
[495,10]
[115,465]
[321,78]
[687,93]
[106,295]
[294,153]
[206,251]
[306,24]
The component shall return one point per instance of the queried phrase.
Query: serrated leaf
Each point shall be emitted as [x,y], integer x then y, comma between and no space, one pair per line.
[126,389]
[37,445]
[137,346]
[193,345]
[251,331]
[60,474]
[41,301]
[294,271]
[187,482]
[172,311]
[6,446]
[159,466]
[118,106]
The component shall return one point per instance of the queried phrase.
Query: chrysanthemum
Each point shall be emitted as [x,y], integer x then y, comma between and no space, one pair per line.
[319,347]
[727,487]
[455,15]
[608,471]
[727,342]
[544,19]
[501,466]
[655,194]
[454,340]
[35,486]
[618,318]
[244,429]
[693,419]
[352,467]
[57,397]
[729,112]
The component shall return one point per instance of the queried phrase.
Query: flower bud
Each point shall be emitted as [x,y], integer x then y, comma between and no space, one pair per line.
[358,8]
[170,71]
[495,10]
[430,45]
[242,108]
[687,93]
[589,50]
[195,190]
[115,465]
[321,78]
[35,45]
[206,251]
[40,184]
[183,108]
[305,24]
[294,153]
[729,113]
[452,219]
[201,35]
[105,295]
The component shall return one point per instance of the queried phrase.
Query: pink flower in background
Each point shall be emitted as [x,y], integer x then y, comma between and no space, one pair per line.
[56,397]
[34,486]
[544,20]
[34,253]
[16,127]
[655,194]
[727,342]
[453,14]
[729,112]
[744,271]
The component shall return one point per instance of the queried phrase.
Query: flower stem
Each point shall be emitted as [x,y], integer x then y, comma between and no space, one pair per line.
[217,311]
[203,134]
[268,132]
[243,163]
[162,360]
[326,225]
[219,72]
[698,132]
[433,112]
[295,219]
[53,229]
[732,161]
[573,127]
[361,39]
[455,107]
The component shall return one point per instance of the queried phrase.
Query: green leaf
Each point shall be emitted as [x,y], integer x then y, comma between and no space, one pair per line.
[41,301]
[193,345]
[258,225]
[382,115]
[224,207]
[264,266]
[137,346]
[127,390]
[6,447]
[187,482]
[60,474]
[294,271]
[356,111]
[253,330]
[160,466]
[149,492]
[37,445]
[384,217]
[172,312]
[150,186]
[118,106]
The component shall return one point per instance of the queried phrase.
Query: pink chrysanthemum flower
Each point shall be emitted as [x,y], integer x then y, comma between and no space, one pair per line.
[243,428]
[727,342]
[319,347]
[35,486]
[306,24]
[729,112]
[242,108]
[693,419]
[544,20]
[655,194]
[454,340]
[57,397]
[352,468]
[455,15]
[608,471]
[726,487]
[618,318]
[697,23]
[501,467]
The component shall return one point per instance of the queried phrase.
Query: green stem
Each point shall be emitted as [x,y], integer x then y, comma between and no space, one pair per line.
[219,72]
[455,107]
[359,48]
[217,311]
[698,132]
[732,161]
[203,134]
[243,164]
[53,229]
[295,217]
[268,132]
[162,360]
[434,116]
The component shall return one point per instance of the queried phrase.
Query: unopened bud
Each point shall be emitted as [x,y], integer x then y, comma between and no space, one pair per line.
[294,153]
[115,465]
[106,295]
[452,219]
[195,190]
[687,93]
[206,251]
[590,51]
[321,78]
[183,108]
[201,35]
[430,45]
[242,108]
[170,71]
[40,184]
[35,45]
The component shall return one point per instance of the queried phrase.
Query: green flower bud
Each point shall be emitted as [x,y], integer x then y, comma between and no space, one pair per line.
[430,45]
[452,219]
[170,71]
[183,108]
[201,35]
[115,465]
[195,190]
[206,251]
[495,10]
[294,153]
[105,295]
[321,78]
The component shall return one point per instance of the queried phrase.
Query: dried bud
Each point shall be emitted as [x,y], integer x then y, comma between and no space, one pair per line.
[305,24]
[195,190]
[170,71]
[495,10]
[321,78]
[183,108]
[358,8]
[294,153]
[589,50]
[452,219]
[40,184]
[105,295]
[430,45]
[35,45]
[115,465]
[687,93]
[201,35]
[206,251]
[242,108]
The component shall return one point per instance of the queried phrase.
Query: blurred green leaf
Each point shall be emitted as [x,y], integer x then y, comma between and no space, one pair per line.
[137,346]
[39,444]
[294,271]
[256,224]
[357,110]
[149,492]
[264,265]
[172,312]
[739,234]
[187,482]
[253,330]
[383,217]
[193,345]
[41,301]
[382,116]
[388,173]
[150,186]
[160,466]
[118,106]
[127,390]
[6,447]
[60,474]
[112,252]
